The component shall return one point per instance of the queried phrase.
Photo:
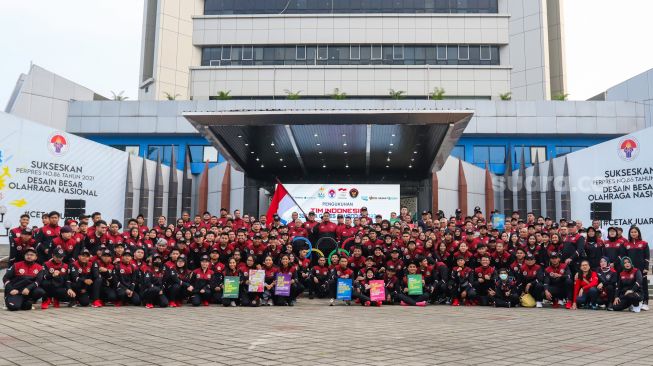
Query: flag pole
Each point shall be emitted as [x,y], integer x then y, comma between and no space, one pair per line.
[292,198]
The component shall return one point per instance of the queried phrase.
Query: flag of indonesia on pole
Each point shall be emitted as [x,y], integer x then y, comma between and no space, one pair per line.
[281,202]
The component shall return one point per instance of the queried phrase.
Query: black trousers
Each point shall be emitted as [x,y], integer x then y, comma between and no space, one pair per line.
[135,299]
[22,302]
[197,297]
[503,301]
[625,301]
[104,293]
[84,293]
[320,289]
[561,291]
[411,299]
[537,291]
[152,296]
[55,291]
[606,295]
[588,298]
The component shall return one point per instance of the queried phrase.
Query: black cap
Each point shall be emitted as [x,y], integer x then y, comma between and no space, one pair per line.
[155,256]
[311,213]
[477,209]
[571,223]
[119,244]
[127,252]
[369,258]
[390,268]
[363,208]
[59,253]
[26,231]
[340,217]
[214,250]
[181,258]
[394,250]
[554,255]
[529,257]
[257,236]
[204,258]
[85,252]
[30,249]
[198,234]
[66,229]
[425,212]
[555,226]
[106,253]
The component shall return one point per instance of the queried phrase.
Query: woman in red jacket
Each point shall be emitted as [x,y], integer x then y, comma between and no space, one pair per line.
[585,291]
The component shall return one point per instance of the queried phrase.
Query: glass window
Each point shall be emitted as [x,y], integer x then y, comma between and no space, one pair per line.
[463,52]
[441,52]
[226,53]
[486,53]
[248,53]
[497,155]
[377,52]
[481,154]
[355,52]
[398,52]
[458,152]
[210,154]
[163,151]
[300,53]
[538,154]
[322,52]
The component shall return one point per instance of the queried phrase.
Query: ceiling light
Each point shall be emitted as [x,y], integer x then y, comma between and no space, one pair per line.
[344,135]
[240,136]
[280,159]
[317,144]
[319,152]
[345,144]
[410,166]
[315,135]
[285,166]
[387,166]
[390,152]
[414,152]
[347,166]
[323,166]
[412,159]
[257,159]
[345,152]
[262,166]
[276,152]
[246,144]
[388,159]
[251,152]
[272,144]
[391,144]
[393,135]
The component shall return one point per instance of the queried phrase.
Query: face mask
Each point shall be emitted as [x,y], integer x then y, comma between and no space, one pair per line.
[503,276]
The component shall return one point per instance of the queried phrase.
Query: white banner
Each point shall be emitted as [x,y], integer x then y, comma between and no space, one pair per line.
[344,199]
[617,172]
[43,170]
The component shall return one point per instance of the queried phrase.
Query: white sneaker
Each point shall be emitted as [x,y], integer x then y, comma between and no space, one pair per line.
[538,304]
[645,307]
[561,303]
[636,309]
[331,302]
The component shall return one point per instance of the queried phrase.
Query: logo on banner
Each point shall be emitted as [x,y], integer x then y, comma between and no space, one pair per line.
[353,193]
[321,193]
[628,148]
[57,144]
[332,193]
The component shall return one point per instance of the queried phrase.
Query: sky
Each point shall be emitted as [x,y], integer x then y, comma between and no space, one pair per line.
[97,43]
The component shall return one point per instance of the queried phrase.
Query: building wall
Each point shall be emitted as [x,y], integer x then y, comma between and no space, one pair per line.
[448,186]
[370,81]
[43,97]
[529,49]
[638,89]
[168,49]
[556,30]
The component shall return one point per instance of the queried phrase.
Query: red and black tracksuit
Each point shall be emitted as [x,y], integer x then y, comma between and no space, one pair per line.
[506,293]
[56,280]
[629,289]
[128,278]
[203,282]
[319,281]
[608,278]
[105,288]
[156,283]
[534,276]
[639,254]
[23,276]
[557,280]
[482,284]
[79,274]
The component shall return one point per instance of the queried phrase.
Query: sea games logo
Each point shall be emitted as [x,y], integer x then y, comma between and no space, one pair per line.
[57,144]
[628,148]
[332,193]
[353,193]
[321,193]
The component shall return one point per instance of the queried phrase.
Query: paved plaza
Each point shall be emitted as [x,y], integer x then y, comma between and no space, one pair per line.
[312,333]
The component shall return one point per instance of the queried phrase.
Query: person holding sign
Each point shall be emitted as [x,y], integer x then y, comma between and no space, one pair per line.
[362,288]
[232,284]
[341,271]
[412,288]
[287,298]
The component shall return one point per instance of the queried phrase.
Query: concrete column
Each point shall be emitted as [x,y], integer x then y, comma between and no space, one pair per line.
[489,192]
[203,194]
[435,187]
[462,189]
[225,195]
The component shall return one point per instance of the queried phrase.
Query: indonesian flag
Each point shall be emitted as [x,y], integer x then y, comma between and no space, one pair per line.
[281,202]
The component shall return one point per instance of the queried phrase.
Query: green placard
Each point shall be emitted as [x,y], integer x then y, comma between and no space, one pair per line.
[415,284]
[231,287]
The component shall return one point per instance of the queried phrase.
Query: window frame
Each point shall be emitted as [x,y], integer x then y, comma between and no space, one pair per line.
[489,51]
[297,48]
[380,48]
[394,51]
[461,47]
[251,48]
[351,52]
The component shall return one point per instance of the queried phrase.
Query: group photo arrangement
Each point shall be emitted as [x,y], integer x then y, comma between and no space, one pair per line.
[232,260]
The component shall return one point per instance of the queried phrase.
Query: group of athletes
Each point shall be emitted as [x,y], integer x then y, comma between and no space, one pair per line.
[462,260]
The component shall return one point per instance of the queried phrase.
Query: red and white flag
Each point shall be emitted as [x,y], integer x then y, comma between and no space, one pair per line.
[281,202]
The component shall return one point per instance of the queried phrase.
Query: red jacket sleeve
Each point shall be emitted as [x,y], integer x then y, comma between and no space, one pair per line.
[594,281]
[576,289]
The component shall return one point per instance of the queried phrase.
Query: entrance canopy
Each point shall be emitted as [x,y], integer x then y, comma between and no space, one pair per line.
[317,145]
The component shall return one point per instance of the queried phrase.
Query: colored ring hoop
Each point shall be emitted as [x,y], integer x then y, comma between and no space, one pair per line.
[316,251]
[339,250]
[305,240]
